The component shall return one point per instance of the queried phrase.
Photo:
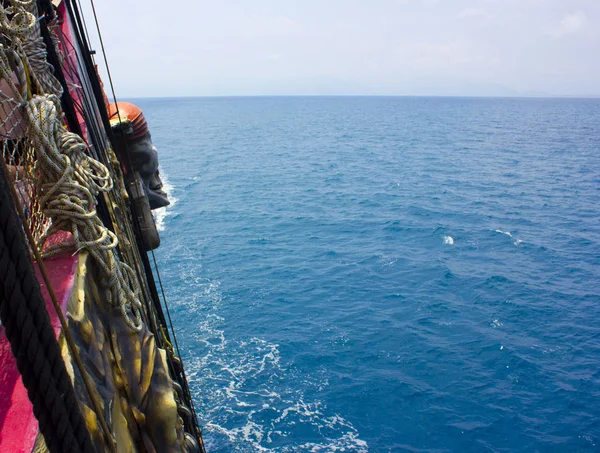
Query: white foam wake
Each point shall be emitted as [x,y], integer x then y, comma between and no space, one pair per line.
[246,398]
[161,214]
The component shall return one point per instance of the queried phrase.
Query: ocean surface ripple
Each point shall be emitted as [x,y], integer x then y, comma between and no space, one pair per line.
[385,274]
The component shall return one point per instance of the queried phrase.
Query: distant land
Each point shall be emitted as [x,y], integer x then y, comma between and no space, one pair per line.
[207,85]
[515,96]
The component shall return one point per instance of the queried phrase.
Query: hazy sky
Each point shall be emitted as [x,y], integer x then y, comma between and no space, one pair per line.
[405,47]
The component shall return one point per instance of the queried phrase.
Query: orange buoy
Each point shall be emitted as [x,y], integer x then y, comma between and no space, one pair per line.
[129,112]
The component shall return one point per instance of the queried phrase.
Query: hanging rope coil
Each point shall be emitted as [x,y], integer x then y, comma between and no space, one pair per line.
[68,179]
[23,31]
[65,181]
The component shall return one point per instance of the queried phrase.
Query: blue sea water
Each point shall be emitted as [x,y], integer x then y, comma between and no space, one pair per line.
[378,274]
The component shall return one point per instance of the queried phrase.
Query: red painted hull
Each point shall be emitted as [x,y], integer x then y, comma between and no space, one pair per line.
[18,425]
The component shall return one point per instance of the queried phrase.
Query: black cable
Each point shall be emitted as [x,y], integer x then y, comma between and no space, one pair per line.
[85,29]
[166,305]
[66,100]
[171,325]
[157,305]
[112,87]
[32,340]
[185,385]
[88,63]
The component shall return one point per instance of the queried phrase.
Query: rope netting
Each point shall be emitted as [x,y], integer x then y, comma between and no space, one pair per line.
[56,179]
[17,149]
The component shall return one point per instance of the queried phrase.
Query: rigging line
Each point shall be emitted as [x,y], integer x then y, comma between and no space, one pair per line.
[99,101]
[85,30]
[75,82]
[66,42]
[191,400]
[110,81]
[84,107]
[81,111]
[81,82]
[112,87]
[63,322]
[53,59]
[88,65]
[166,305]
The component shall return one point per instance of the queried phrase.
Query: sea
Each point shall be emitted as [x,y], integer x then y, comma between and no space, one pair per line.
[384,274]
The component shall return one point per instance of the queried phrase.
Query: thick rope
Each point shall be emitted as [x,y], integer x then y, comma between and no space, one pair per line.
[32,340]
[23,29]
[69,179]
[69,182]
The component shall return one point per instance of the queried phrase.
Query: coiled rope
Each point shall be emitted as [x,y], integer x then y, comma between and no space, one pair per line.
[23,30]
[69,179]
[69,182]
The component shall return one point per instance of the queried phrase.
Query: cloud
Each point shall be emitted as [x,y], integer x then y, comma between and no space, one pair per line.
[572,24]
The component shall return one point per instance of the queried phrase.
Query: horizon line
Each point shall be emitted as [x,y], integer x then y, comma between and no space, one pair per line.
[475,96]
